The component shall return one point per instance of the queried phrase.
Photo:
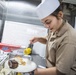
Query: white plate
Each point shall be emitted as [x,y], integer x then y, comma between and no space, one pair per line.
[30,66]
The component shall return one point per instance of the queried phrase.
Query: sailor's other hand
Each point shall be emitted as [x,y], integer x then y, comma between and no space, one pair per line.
[31,73]
[34,40]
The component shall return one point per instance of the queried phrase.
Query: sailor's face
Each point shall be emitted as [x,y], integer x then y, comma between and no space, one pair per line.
[50,22]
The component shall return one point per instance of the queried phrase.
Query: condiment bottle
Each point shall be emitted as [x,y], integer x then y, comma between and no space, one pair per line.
[28,50]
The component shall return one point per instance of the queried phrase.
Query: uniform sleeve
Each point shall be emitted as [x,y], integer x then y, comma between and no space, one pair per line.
[59,73]
[64,57]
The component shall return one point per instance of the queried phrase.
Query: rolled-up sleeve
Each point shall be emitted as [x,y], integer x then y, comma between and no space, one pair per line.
[64,57]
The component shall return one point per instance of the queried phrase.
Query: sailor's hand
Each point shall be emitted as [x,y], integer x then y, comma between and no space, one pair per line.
[34,40]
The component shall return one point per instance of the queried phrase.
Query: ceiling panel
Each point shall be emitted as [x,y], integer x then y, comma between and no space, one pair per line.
[69,1]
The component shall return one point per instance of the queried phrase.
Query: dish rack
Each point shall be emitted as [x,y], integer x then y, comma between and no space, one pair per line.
[3,58]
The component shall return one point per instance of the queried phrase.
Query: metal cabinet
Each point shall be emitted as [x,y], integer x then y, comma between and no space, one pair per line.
[2,16]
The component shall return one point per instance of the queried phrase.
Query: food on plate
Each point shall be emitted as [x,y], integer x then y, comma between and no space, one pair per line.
[20,60]
[13,64]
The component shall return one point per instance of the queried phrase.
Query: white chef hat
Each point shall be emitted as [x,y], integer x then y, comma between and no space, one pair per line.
[46,7]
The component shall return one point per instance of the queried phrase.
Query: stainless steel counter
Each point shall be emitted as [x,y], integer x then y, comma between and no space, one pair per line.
[39,60]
